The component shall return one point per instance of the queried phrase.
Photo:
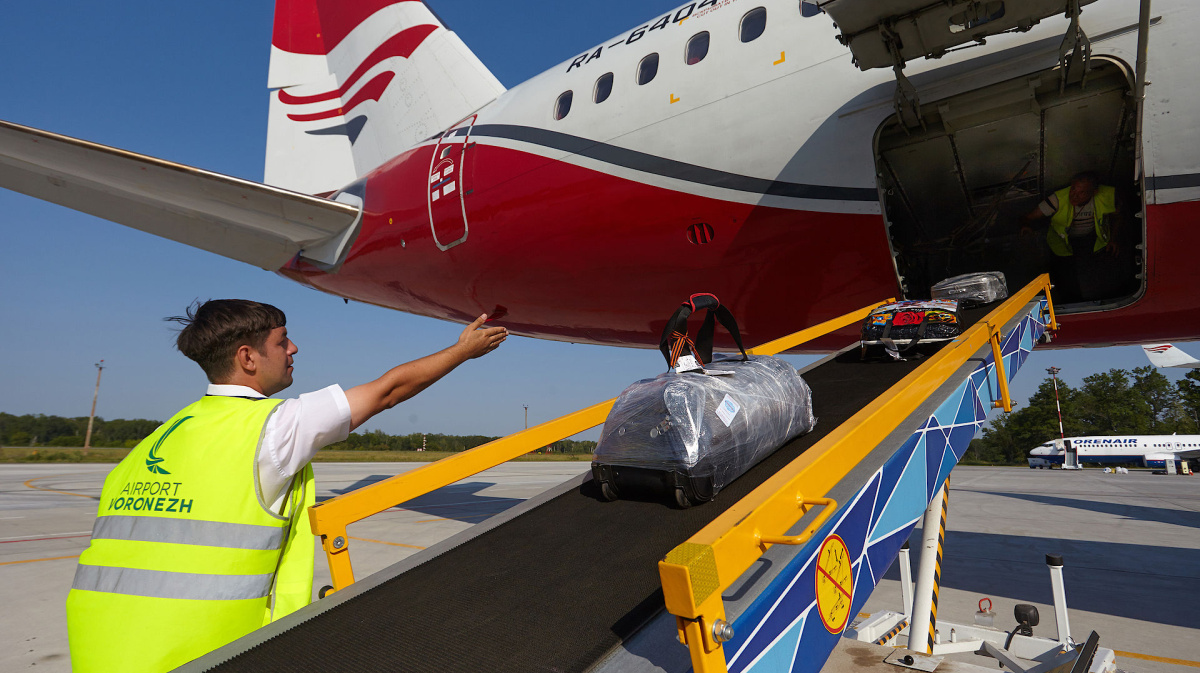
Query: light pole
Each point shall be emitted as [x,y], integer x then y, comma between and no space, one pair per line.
[87,440]
[1053,372]
[526,415]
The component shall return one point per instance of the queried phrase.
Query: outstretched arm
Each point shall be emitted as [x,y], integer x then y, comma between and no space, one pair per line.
[405,381]
[1028,220]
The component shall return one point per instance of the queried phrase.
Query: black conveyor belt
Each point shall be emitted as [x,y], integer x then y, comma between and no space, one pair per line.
[554,589]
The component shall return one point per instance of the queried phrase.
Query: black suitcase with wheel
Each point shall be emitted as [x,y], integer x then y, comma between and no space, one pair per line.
[686,434]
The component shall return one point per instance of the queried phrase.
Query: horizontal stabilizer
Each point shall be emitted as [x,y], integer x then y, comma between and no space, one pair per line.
[1166,355]
[252,223]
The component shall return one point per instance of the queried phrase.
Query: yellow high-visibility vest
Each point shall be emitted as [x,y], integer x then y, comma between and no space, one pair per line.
[1105,202]
[185,556]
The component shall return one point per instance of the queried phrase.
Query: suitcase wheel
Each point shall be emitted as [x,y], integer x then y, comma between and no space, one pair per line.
[607,491]
[681,499]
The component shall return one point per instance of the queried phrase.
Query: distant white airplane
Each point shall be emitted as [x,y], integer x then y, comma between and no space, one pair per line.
[1167,355]
[1149,450]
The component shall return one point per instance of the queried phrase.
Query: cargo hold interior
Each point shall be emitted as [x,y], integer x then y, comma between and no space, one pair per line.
[954,193]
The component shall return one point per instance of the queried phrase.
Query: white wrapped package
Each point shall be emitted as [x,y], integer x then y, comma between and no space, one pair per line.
[707,429]
[972,288]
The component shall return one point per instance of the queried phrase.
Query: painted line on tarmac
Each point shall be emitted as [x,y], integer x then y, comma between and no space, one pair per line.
[460,519]
[64,536]
[29,484]
[394,544]
[1161,660]
[36,560]
[466,503]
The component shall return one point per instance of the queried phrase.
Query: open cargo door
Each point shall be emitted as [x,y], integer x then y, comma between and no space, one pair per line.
[881,33]
[955,194]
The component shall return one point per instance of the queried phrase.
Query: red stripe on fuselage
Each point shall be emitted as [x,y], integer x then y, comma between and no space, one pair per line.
[577,254]
[371,91]
[317,26]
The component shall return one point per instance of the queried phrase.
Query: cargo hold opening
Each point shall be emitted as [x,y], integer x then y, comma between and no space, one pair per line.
[955,193]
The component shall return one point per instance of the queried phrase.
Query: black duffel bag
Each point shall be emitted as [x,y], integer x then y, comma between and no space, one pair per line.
[688,434]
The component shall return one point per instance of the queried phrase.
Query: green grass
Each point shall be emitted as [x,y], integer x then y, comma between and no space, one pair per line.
[57,454]
[54,454]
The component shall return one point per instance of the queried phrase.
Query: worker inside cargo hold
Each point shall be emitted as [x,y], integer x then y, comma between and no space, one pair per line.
[202,534]
[1083,233]
[959,190]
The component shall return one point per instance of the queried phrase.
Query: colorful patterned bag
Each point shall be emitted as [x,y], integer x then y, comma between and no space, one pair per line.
[901,326]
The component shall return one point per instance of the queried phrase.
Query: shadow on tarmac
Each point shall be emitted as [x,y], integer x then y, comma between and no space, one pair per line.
[459,502]
[1172,516]
[1125,580]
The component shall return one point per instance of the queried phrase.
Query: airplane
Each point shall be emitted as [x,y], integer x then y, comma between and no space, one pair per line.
[761,150]
[1149,450]
[1167,355]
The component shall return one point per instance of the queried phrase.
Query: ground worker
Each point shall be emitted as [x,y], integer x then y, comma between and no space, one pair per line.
[1082,217]
[202,534]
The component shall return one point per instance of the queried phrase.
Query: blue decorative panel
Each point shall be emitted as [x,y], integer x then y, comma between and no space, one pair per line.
[771,635]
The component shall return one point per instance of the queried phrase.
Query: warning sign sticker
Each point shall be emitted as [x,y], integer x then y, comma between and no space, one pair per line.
[835,584]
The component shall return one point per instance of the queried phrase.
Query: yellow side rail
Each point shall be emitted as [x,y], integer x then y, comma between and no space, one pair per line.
[696,573]
[330,519]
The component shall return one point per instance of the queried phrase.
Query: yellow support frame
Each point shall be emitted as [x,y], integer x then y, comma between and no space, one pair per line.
[331,518]
[696,573]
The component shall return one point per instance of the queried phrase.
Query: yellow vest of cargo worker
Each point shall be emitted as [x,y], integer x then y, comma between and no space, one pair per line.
[1105,202]
[184,556]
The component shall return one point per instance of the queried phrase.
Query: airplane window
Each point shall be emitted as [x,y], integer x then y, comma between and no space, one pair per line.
[753,24]
[603,88]
[647,69]
[697,48]
[563,105]
[809,8]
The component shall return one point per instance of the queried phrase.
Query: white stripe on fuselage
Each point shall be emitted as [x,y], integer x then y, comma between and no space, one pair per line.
[788,106]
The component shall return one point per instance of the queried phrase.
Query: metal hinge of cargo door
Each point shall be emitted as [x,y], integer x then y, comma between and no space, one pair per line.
[906,100]
[1075,52]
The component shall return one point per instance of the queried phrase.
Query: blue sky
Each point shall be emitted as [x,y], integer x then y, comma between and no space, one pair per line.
[187,82]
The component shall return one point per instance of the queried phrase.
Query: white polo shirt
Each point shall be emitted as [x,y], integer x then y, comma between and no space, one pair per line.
[298,429]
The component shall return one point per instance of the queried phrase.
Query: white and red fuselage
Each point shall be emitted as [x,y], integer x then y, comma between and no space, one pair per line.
[587,202]
[750,174]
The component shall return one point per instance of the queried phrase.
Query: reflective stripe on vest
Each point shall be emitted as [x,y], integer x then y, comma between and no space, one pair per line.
[160,586]
[188,531]
[1104,203]
[163,584]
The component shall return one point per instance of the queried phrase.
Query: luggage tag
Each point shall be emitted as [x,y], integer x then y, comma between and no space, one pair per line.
[689,363]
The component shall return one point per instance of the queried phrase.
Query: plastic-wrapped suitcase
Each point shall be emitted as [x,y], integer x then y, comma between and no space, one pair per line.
[902,326]
[973,289]
[688,434]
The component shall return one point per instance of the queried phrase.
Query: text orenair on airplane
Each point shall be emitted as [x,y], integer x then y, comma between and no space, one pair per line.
[1149,450]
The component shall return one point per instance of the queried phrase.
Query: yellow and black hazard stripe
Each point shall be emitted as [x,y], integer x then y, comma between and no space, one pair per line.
[893,633]
[937,569]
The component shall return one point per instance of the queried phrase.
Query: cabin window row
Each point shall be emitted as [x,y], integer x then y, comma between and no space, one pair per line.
[750,28]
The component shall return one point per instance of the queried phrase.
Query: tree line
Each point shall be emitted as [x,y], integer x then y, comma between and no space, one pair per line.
[42,430]
[377,440]
[1115,402]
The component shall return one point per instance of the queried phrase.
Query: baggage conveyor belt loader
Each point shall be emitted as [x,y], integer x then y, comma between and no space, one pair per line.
[764,578]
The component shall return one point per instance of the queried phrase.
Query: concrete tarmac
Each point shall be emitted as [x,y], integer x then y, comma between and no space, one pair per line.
[1130,543]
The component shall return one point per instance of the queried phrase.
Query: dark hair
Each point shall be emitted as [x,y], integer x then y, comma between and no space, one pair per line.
[214,331]
[1090,177]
